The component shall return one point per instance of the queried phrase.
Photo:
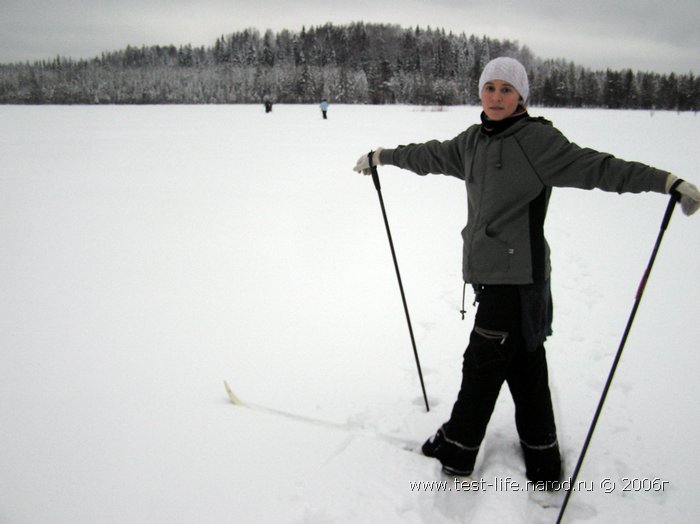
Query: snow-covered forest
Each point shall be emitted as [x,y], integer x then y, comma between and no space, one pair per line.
[354,63]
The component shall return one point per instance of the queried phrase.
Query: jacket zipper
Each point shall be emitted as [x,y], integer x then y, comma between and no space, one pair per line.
[477,217]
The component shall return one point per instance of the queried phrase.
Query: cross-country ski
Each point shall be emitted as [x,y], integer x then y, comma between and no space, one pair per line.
[350,428]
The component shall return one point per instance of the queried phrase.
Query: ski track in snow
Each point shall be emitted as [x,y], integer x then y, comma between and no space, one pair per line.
[151,252]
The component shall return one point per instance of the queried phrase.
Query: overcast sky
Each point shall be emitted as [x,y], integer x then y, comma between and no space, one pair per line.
[646,35]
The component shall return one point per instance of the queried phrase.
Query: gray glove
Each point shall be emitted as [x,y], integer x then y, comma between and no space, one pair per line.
[362,165]
[690,196]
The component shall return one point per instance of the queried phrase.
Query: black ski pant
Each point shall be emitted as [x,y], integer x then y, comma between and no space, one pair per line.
[497,354]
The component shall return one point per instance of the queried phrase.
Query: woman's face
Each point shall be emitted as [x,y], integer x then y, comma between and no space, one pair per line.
[499,99]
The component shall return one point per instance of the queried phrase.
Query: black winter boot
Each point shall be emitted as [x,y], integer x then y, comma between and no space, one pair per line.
[456,459]
[543,464]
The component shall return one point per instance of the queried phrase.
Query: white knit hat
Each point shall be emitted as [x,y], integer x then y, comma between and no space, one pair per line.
[508,70]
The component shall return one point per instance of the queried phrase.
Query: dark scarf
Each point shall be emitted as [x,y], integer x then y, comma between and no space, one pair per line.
[493,127]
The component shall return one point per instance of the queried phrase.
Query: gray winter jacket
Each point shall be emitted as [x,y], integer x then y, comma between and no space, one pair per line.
[506,175]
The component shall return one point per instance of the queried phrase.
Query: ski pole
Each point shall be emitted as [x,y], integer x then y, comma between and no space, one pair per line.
[675,197]
[375,179]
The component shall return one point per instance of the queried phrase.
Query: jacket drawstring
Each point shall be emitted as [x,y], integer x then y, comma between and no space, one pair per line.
[464,292]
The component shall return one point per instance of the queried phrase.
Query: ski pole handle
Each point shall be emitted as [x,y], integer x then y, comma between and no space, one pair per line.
[373,170]
[675,197]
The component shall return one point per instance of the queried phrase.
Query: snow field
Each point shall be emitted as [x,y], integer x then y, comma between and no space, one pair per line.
[152,252]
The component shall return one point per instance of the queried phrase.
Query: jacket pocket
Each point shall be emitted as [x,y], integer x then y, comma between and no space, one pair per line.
[487,351]
[492,335]
[489,252]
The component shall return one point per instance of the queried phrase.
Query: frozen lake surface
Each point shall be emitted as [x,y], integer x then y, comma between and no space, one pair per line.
[149,253]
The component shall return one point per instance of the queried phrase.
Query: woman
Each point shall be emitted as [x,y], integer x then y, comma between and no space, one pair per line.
[509,163]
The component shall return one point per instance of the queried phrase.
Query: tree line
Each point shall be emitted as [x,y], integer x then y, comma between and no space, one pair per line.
[354,63]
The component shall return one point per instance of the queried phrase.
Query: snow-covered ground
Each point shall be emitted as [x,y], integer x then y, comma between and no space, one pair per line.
[149,253]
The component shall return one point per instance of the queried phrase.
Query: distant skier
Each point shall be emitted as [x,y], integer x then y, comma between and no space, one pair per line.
[509,164]
[268,105]
[324,108]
